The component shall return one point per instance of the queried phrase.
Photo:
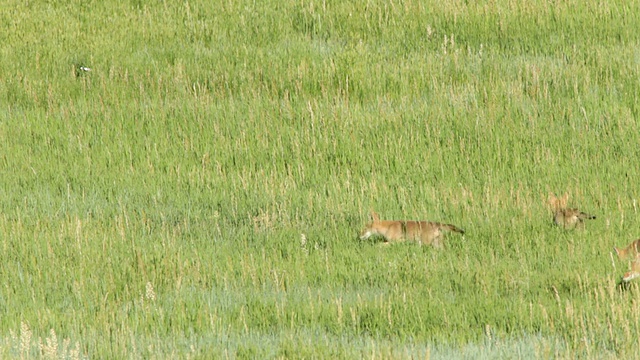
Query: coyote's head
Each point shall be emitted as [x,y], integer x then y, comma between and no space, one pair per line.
[370,229]
[634,271]
[558,203]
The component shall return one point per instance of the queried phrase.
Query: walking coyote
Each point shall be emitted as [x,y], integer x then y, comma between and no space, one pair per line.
[426,232]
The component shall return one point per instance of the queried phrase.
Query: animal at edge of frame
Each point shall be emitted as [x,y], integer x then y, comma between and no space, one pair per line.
[425,232]
[634,271]
[568,218]
[632,250]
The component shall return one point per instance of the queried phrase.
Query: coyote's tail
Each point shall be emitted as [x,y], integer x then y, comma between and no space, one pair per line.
[586,216]
[452,228]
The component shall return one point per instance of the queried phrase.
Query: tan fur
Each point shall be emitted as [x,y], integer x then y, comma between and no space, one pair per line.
[425,232]
[635,270]
[633,249]
[566,217]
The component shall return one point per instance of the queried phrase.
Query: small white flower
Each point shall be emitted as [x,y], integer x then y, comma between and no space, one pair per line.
[151,295]
[303,243]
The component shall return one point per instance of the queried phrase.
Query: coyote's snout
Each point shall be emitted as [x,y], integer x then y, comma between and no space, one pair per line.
[633,249]
[565,217]
[426,232]
[635,270]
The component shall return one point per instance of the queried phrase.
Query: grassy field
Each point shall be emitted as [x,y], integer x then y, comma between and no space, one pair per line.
[199,192]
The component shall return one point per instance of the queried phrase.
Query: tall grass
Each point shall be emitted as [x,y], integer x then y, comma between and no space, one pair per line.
[197,194]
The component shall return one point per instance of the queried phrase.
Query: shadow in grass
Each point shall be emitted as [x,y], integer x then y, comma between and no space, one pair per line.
[622,285]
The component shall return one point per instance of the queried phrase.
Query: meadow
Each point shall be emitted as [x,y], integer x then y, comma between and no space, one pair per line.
[199,192]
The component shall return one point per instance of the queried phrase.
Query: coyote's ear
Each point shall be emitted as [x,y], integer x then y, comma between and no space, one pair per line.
[617,251]
[564,199]
[374,216]
[552,200]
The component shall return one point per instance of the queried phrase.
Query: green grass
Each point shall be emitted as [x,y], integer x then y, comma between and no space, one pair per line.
[198,193]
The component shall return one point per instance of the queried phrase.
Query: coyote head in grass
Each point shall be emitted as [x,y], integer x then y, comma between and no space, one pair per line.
[634,272]
[566,217]
[632,250]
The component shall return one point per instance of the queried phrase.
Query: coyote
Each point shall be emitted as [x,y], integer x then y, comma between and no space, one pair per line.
[635,270]
[428,233]
[631,250]
[565,217]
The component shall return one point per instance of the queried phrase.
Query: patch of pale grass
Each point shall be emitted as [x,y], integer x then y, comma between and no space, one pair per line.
[25,346]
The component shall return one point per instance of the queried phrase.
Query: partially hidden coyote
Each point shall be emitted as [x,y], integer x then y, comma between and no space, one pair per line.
[635,270]
[425,232]
[631,250]
[566,217]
